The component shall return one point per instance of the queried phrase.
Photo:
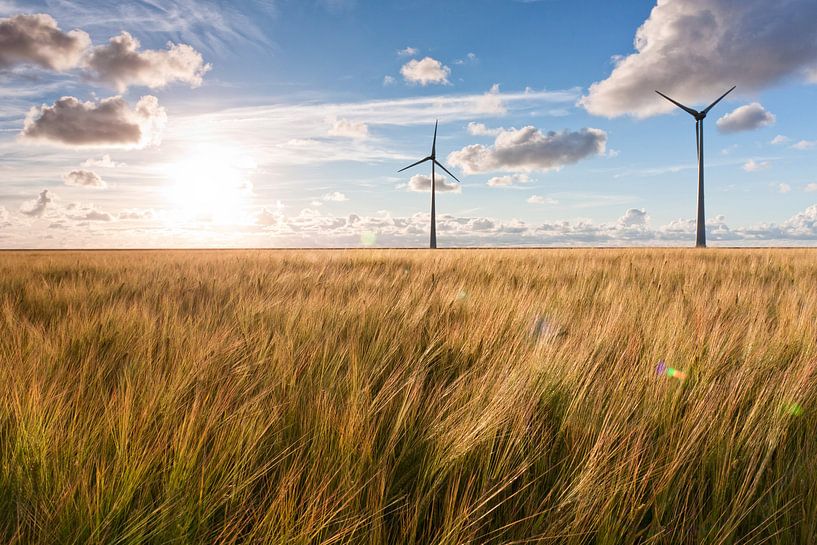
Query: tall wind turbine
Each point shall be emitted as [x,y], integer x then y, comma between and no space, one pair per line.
[433,159]
[700,238]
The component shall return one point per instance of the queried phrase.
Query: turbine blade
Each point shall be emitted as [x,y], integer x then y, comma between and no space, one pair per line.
[445,169]
[415,164]
[690,111]
[434,144]
[722,97]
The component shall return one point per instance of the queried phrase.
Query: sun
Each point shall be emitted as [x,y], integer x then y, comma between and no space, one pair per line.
[211,184]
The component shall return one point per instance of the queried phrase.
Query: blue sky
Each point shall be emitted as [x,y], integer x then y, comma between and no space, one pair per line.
[283,122]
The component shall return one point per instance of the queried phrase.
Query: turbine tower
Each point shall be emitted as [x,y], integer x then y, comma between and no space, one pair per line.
[700,238]
[433,159]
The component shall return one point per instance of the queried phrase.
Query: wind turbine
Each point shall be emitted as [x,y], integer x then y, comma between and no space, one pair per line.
[700,238]
[434,161]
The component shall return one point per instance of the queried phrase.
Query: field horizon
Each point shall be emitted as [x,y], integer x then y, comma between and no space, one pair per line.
[573,395]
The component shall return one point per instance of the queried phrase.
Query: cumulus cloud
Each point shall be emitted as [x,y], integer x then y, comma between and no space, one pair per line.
[110,122]
[753,166]
[528,149]
[508,180]
[480,129]
[104,162]
[36,207]
[779,139]
[746,118]
[84,178]
[335,196]
[427,71]
[347,128]
[634,217]
[86,213]
[36,39]
[694,50]
[422,183]
[121,64]
[539,199]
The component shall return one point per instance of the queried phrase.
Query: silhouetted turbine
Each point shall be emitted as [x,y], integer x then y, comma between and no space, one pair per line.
[433,159]
[700,238]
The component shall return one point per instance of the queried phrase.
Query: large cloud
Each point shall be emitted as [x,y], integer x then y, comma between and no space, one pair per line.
[528,149]
[422,183]
[425,72]
[36,39]
[694,50]
[746,118]
[84,178]
[109,123]
[121,64]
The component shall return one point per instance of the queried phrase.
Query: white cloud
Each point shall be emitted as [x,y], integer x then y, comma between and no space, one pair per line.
[779,139]
[810,188]
[335,196]
[508,180]
[36,207]
[694,50]
[111,123]
[136,214]
[479,129]
[36,39]
[528,149]
[103,162]
[388,80]
[746,118]
[805,144]
[491,103]
[269,217]
[634,217]
[783,188]
[121,64]
[539,199]
[407,52]
[470,58]
[348,129]
[84,178]
[422,183]
[753,166]
[87,213]
[427,71]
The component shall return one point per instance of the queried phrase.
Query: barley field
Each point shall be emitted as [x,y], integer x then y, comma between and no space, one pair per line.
[400,397]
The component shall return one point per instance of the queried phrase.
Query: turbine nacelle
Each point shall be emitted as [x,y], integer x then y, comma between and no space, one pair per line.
[699,116]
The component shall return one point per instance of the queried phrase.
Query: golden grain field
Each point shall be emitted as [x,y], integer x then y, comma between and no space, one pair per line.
[401,397]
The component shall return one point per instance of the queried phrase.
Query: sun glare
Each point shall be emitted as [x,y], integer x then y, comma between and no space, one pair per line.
[211,184]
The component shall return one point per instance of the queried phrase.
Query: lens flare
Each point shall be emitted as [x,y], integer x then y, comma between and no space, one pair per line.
[794,409]
[663,369]
[368,238]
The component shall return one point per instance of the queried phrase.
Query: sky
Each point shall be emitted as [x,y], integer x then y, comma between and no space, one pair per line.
[283,123]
